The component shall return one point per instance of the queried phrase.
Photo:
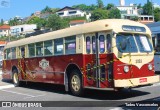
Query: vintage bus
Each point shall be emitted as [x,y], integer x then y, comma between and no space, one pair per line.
[107,54]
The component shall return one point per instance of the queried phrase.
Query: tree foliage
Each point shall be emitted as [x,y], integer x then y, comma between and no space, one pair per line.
[100,4]
[99,14]
[14,22]
[147,8]
[84,7]
[109,6]
[56,23]
[114,13]
[157,14]
[38,21]
[11,38]
[46,10]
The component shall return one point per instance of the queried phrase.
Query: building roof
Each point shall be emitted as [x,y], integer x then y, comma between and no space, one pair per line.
[67,8]
[77,21]
[2,42]
[4,27]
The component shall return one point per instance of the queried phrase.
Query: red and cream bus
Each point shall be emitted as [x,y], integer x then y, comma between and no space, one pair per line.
[105,54]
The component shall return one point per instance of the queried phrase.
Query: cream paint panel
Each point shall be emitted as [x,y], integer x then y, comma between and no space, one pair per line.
[131,59]
[79,43]
[136,81]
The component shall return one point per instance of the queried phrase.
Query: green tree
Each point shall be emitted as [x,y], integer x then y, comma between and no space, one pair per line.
[114,13]
[148,8]
[84,7]
[100,4]
[99,14]
[2,22]
[134,18]
[15,21]
[157,14]
[46,10]
[38,21]
[109,6]
[56,23]
[139,6]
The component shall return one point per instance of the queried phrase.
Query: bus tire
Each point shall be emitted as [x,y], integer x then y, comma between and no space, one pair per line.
[15,78]
[75,83]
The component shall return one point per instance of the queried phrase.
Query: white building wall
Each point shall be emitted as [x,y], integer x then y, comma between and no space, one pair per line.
[4,32]
[66,13]
[22,29]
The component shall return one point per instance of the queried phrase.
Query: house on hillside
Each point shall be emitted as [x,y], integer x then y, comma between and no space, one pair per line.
[132,12]
[4,30]
[72,12]
[22,29]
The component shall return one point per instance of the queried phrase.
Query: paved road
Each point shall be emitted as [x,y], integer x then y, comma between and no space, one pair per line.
[93,98]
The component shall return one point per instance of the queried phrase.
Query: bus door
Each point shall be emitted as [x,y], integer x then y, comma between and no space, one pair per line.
[104,60]
[22,66]
[90,60]
[97,71]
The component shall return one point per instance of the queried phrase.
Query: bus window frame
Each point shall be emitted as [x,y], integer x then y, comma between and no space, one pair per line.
[52,47]
[41,47]
[55,46]
[29,50]
[68,42]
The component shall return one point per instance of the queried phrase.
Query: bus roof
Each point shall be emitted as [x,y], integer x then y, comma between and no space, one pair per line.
[96,26]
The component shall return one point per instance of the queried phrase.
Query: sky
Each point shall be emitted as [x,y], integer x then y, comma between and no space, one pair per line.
[24,8]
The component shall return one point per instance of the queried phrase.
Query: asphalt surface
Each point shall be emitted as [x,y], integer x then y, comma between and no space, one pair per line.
[55,96]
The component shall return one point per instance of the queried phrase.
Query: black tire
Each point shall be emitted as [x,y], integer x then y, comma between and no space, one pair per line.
[15,78]
[75,83]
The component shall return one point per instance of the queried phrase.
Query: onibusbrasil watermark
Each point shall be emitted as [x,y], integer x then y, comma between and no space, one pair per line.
[4,3]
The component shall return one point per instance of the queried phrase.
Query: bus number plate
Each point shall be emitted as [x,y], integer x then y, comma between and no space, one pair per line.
[142,80]
[139,61]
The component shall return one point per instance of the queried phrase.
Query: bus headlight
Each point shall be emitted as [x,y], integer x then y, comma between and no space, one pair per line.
[150,67]
[126,69]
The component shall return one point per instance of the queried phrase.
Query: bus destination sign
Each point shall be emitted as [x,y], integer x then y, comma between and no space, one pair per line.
[133,28]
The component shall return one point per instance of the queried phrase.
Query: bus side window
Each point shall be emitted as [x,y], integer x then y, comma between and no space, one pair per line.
[39,49]
[108,42]
[101,44]
[93,44]
[22,52]
[70,45]
[88,45]
[9,54]
[48,48]
[58,46]
[13,52]
[31,50]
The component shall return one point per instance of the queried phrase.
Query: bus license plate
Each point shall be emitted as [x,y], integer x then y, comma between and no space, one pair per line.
[142,80]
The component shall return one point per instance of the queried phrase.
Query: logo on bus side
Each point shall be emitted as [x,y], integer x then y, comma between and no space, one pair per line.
[44,63]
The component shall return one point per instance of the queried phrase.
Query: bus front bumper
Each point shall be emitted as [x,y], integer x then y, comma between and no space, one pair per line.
[133,82]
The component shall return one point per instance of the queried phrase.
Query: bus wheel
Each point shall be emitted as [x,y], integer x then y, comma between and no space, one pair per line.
[15,78]
[75,83]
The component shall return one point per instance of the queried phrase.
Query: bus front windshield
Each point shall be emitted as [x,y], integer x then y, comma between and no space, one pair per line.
[128,43]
